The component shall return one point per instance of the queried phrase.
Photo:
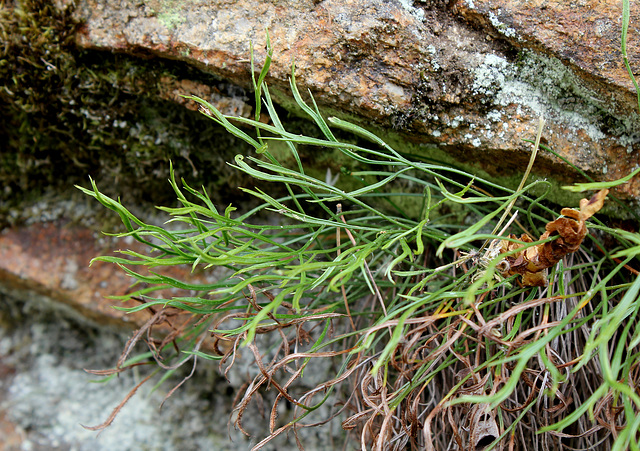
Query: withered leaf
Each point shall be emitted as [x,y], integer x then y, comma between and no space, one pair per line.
[483,428]
[590,207]
[532,263]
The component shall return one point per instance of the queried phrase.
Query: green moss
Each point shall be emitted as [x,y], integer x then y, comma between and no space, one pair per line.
[69,113]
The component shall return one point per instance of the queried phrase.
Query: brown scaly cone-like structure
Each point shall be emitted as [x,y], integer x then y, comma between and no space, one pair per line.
[532,263]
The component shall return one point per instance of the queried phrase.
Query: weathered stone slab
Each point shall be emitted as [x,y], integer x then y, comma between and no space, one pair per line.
[469,78]
[582,33]
[51,261]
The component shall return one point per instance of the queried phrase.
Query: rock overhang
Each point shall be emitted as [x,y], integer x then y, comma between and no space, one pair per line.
[470,78]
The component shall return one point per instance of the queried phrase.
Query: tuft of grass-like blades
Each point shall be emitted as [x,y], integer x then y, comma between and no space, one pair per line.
[430,347]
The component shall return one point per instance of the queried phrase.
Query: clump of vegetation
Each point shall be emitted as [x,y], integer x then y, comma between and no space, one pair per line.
[434,343]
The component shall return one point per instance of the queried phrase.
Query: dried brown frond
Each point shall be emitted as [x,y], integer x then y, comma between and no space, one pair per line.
[288,362]
[531,263]
[119,407]
[169,333]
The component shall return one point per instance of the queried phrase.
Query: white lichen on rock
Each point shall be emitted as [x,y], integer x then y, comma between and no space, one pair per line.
[501,27]
[542,86]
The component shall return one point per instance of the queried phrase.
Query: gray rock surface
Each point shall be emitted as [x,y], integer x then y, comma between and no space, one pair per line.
[46,396]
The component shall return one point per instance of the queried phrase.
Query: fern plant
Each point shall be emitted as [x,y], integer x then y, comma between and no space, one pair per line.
[431,347]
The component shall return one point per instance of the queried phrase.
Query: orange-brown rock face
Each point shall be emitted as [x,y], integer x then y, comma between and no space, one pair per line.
[50,261]
[468,77]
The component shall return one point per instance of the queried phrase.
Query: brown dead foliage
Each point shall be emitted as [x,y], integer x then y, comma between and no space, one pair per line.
[532,262]
[173,324]
[384,415]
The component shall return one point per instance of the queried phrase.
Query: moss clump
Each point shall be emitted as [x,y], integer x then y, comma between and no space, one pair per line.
[36,83]
[69,112]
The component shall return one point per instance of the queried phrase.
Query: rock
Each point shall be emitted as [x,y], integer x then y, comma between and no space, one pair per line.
[462,79]
[53,262]
[584,34]
[50,261]
[46,395]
